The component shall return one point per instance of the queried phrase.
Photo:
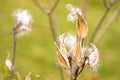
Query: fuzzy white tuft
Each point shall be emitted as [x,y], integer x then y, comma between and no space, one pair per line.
[93,57]
[68,39]
[23,20]
[22,16]
[72,16]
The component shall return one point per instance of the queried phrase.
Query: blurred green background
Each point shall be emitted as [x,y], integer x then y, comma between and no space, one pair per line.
[36,53]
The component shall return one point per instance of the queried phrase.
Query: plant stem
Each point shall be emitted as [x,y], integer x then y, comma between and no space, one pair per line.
[109,22]
[84,7]
[52,28]
[74,78]
[14,55]
[99,25]
[61,74]
[52,22]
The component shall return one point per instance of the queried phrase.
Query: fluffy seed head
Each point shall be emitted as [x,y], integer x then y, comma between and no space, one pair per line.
[23,20]
[72,16]
[68,39]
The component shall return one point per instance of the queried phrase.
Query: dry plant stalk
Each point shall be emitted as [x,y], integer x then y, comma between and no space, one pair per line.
[108,8]
[109,22]
[22,26]
[52,21]
[84,7]
[51,17]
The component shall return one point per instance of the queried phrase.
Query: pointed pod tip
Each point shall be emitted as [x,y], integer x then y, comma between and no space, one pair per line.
[82,28]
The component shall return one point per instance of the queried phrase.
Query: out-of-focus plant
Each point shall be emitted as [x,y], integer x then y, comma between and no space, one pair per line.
[108,6]
[90,52]
[51,16]
[77,56]
[6,69]
[72,53]
[22,26]
[52,20]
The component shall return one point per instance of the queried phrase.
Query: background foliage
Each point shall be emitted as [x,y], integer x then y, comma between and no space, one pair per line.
[36,53]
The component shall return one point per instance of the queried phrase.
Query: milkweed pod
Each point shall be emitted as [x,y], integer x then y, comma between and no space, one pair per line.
[93,58]
[62,58]
[75,51]
[82,28]
[62,45]
[78,47]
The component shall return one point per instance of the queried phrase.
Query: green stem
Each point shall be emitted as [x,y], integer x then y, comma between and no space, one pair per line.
[14,55]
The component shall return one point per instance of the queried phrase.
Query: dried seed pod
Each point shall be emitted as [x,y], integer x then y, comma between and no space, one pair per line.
[78,47]
[93,57]
[62,58]
[82,28]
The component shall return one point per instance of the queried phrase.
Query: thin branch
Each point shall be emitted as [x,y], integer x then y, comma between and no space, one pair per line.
[52,22]
[52,28]
[105,3]
[98,26]
[54,6]
[82,67]
[102,20]
[43,9]
[110,21]
[49,5]
[14,55]
[61,74]
[18,75]
[84,7]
